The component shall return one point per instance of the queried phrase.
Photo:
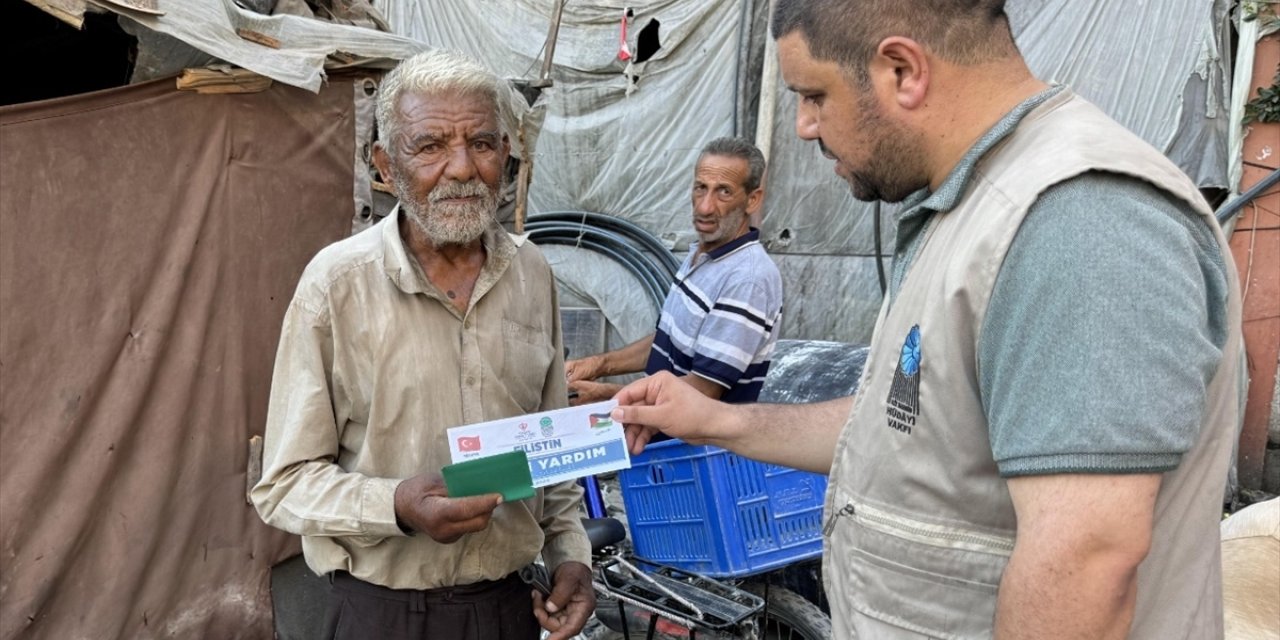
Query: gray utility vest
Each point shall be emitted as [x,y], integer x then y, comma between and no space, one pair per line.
[920,525]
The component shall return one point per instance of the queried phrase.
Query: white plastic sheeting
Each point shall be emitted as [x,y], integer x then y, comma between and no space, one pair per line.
[589,279]
[619,138]
[622,136]
[305,43]
[1159,67]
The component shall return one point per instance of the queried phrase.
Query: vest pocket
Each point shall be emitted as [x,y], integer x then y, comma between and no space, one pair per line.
[927,578]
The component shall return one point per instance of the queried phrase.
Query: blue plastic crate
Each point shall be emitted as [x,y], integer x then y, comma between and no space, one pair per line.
[706,510]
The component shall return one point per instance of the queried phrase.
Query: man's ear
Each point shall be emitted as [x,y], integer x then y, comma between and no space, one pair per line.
[755,200]
[900,72]
[382,161]
[506,149]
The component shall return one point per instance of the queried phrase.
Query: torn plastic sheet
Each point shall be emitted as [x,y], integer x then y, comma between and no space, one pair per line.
[1145,81]
[1251,31]
[305,43]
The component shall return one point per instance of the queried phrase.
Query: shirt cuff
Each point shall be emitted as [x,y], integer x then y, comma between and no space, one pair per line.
[378,508]
[566,547]
[1118,463]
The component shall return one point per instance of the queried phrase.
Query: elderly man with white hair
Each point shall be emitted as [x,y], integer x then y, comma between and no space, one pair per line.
[433,318]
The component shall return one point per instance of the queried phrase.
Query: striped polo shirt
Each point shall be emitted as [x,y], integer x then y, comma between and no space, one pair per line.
[720,319]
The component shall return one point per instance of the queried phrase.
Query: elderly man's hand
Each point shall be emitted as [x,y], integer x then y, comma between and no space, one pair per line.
[571,602]
[423,503]
[587,368]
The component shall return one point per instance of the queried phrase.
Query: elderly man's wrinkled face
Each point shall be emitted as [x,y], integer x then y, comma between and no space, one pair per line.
[446,165]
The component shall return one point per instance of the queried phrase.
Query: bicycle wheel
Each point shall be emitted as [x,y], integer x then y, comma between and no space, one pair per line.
[790,617]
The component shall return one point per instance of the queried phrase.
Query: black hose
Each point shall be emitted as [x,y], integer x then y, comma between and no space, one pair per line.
[626,228]
[607,236]
[1232,208]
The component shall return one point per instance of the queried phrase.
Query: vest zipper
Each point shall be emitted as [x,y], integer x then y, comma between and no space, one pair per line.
[898,526]
[847,510]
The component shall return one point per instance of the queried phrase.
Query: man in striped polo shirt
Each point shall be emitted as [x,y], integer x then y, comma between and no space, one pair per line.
[720,320]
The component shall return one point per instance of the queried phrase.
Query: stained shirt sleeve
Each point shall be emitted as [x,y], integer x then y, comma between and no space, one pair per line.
[1105,327]
[737,326]
[303,490]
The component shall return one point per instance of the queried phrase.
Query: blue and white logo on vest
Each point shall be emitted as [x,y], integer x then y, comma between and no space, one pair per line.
[904,395]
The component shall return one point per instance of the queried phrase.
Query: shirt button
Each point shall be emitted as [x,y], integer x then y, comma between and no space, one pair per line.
[471,381]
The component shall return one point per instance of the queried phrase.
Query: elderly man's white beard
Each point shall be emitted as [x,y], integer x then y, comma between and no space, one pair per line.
[446,223]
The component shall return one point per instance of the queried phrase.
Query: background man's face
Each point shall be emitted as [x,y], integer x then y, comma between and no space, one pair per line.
[446,164]
[720,201]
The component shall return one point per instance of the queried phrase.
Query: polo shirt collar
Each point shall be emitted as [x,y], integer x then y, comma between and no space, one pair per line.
[953,188]
[752,235]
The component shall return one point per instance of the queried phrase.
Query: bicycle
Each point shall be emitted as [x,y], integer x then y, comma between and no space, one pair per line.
[635,594]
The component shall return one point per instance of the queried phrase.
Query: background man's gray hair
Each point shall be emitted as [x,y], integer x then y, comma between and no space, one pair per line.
[739,148]
[435,72]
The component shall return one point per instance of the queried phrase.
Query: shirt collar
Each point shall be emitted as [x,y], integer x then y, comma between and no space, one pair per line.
[403,269]
[752,235]
[954,186]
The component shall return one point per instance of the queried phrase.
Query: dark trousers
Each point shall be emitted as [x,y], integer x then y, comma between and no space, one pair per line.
[497,610]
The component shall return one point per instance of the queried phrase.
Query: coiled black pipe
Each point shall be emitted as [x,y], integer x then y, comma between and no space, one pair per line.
[626,228]
[606,244]
[621,241]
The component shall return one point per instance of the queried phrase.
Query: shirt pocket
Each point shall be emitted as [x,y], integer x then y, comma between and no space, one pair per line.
[529,352]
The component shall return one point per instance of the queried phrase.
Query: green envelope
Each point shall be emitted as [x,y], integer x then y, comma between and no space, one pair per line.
[505,473]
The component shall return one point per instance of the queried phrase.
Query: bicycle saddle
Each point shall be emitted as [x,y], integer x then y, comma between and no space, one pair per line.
[604,532]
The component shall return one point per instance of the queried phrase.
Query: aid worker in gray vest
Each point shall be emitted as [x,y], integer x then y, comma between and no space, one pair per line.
[1041,439]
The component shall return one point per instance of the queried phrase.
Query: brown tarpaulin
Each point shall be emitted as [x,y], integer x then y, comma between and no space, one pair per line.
[149,241]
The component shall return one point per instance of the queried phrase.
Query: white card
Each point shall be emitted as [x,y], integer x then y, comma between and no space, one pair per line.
[564,444]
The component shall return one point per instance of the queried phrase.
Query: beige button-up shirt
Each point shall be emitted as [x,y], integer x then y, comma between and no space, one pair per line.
[374,365]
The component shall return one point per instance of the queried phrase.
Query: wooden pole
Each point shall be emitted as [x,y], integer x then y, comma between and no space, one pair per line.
[525,174]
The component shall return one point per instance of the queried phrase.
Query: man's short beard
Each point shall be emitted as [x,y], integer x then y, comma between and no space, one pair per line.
[892,172]
[447,223]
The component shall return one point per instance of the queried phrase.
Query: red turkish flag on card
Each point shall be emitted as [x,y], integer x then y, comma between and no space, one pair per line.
[469,443]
